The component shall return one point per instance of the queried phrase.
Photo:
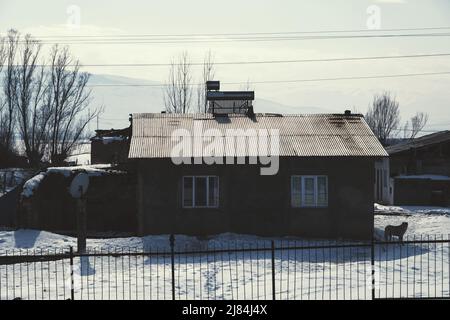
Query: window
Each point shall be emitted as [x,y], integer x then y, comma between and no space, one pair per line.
[200,192]
[309,191]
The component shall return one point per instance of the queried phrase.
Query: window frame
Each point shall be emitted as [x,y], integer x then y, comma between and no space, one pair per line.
[303,191]
[193,205]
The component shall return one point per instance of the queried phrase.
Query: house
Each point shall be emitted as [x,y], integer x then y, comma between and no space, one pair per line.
[420,170]
[245,172]
[110,146]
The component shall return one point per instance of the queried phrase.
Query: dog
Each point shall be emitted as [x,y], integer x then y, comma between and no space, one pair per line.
[398,231]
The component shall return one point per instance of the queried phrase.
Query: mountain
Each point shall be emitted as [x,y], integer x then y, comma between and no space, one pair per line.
[120,101]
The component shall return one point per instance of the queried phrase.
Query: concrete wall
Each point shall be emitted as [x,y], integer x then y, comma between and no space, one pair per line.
[255,204]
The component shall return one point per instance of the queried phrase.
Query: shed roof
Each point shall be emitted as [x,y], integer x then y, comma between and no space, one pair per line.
[332,135]
[99,133]
[424,141]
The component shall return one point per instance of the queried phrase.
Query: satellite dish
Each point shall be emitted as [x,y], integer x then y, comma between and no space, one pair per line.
[79,185]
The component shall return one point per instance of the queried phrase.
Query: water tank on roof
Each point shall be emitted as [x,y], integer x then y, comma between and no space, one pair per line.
[212,85]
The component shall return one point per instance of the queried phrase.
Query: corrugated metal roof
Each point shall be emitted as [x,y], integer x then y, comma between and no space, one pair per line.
[420,142]
[299,135]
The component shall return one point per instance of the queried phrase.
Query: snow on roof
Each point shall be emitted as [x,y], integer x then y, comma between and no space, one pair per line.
[92,170]
[107,140]
[32,184]
[425,176]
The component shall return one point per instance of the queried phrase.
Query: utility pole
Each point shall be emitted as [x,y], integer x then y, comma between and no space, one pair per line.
[81,222]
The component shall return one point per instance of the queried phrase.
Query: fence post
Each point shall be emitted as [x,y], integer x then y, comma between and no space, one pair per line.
[273,270]
[72,292]
[372,263]
[172,254]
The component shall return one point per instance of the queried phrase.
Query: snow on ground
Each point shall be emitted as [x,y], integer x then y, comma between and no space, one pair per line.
[82,147]
[80,159]
[331,273]
[408,270]
[425,176]
[410,210]
[36,239]
[411,270]
[424,225]
[81,154]
[422,221]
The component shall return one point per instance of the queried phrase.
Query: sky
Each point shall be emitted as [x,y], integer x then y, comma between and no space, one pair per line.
[46,18]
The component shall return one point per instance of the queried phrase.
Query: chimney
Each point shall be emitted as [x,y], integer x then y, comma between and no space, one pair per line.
[347,113]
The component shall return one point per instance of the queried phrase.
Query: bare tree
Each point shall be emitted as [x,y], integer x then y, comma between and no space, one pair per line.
[2,52]
[383,117]
[3,151]
[8,112]
[406,130]
[208,74]
[69,100]
[33,109]
[178,90]
[418,122]
[2,62]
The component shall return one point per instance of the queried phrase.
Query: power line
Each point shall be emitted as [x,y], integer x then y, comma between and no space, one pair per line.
[241,39]
[262,61]
[411,130]
[289,81]
[354,78]
[438,124]
[243,33]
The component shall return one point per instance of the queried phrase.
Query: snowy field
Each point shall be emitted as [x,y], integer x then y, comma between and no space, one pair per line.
[425,222]
[81,155]
[339,272]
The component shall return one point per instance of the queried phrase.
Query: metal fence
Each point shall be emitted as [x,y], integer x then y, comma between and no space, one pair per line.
[274,269]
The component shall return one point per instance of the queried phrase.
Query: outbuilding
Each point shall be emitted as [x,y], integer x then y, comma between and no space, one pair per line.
[420,170]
